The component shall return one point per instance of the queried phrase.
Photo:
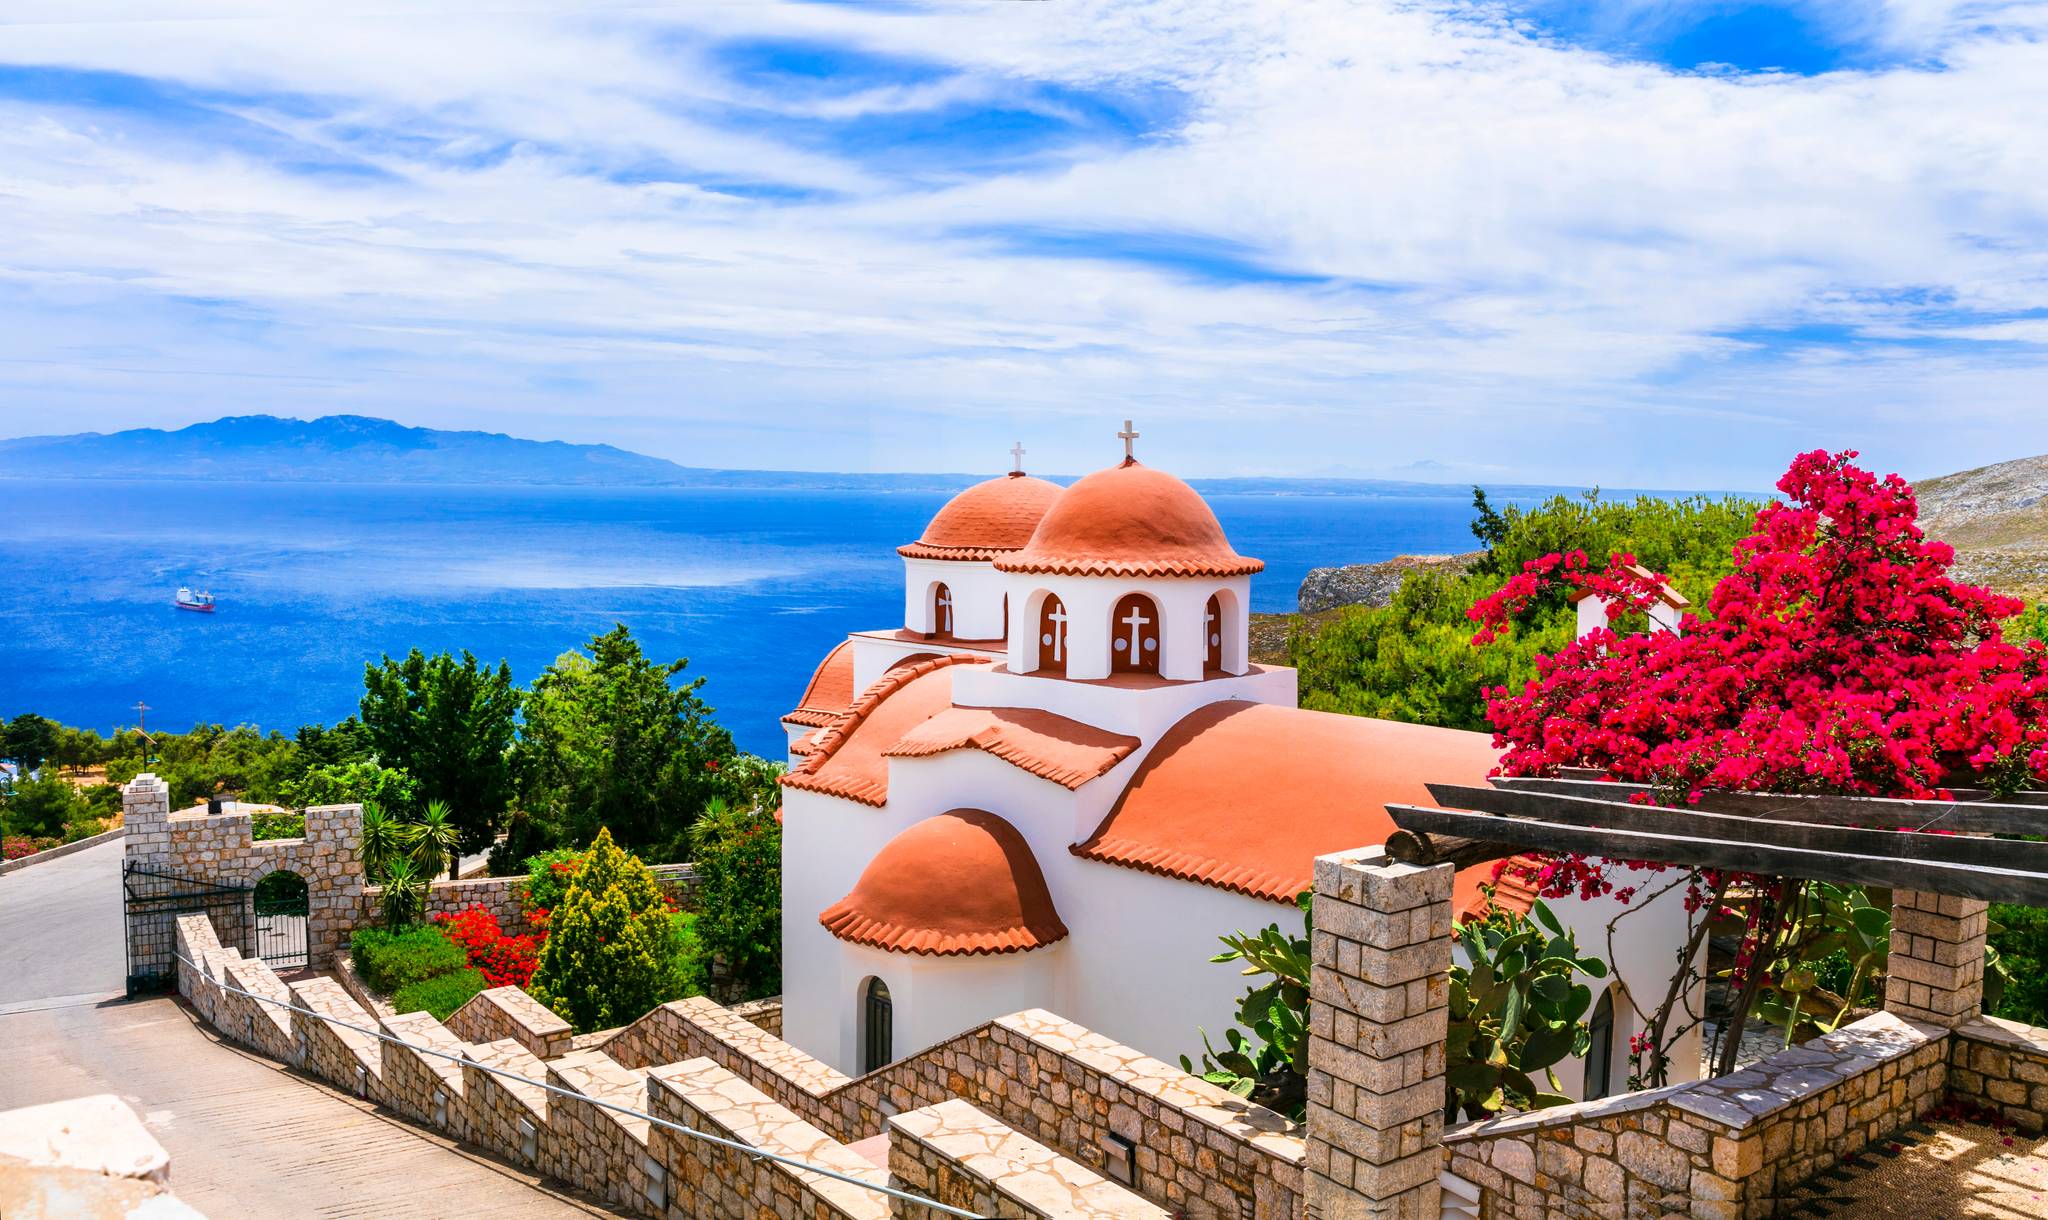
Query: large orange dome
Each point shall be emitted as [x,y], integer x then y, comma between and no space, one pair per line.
[961,882]
[1129,520]
[988,519]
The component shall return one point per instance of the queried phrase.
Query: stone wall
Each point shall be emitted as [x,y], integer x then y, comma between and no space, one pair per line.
[217,849]
[1096,1101]
[2003,1065]
[502,896]
[1061,1105]
[1726,1148]
[84,1157]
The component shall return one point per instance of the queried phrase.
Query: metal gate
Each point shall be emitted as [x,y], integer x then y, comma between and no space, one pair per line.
[280,908]
[153,900]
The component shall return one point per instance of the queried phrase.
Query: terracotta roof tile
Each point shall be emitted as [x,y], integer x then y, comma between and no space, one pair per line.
[1052,747]
[962,882]
[1513,889]
[830,689]
[847,760]
[988,519]
[1244,796]
[1130,520]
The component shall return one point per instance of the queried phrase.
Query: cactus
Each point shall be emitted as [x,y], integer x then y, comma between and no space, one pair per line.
[1515,1010]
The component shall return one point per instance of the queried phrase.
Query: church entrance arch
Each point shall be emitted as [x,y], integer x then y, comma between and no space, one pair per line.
[1134,635]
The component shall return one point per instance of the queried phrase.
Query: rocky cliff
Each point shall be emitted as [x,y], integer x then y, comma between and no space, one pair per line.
[1372,584]
[1997,519]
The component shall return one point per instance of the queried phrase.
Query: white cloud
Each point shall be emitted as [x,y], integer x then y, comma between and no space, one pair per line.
[1589,267]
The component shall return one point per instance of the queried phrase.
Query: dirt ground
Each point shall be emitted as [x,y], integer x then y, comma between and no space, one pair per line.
[1938,1170]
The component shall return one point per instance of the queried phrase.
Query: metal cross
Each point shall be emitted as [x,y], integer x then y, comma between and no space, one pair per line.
[1128,436]
[1017,452]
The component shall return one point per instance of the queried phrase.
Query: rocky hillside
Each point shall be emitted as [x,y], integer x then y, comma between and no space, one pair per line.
[1372,584]
[1997,519]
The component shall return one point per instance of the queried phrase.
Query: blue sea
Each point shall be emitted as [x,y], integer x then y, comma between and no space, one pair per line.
[313,580]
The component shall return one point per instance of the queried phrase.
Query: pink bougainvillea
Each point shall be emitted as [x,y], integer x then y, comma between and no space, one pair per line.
[1838,657]
[506,961]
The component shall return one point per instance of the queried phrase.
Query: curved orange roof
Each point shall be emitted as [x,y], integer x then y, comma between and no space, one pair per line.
[988,519]
[1130,520]
[1244,796]
[830,691]
[961,882]
[1042,743]
[846,757]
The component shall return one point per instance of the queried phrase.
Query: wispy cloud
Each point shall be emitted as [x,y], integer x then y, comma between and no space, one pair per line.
[1563,241]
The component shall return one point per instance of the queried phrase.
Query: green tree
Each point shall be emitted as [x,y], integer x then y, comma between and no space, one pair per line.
[738,852]
[360,783]
[612,953]
[41,808]
[449,725]
[28,741]
[611,740]
[1413,659]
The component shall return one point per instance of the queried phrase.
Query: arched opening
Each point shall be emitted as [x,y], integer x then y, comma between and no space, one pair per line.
[877,1027]
[942,612]
[280,904]
[1600,1055]
[1052,637]
[1134,635]
[1212,636]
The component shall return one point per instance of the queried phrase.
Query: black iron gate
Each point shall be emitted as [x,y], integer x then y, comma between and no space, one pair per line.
[153,900]
[280,907]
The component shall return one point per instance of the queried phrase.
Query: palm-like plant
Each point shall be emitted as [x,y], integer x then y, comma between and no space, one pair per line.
[404,900]
[384,840]
[435,840]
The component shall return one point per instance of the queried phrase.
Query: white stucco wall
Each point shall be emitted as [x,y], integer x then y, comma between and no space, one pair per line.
[1090,603]
[977,590]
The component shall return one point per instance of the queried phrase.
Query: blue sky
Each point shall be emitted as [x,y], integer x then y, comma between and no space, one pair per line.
[1638,242]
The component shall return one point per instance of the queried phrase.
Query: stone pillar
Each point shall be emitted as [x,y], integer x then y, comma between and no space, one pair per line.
[145,820]
[1380,995]
[1936,965]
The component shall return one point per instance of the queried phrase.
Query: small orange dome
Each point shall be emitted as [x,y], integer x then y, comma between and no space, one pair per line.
[988,519]
[1130,520]
[961,882]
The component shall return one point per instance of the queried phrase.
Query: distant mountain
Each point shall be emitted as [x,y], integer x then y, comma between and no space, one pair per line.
[359,449]
[1997,519]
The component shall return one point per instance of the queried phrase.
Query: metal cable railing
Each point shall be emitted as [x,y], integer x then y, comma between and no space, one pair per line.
[665,1124]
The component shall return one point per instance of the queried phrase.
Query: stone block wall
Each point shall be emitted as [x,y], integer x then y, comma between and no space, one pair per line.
[1722,1149]
[502,896]
[508,1012]
[954,1154]
[2003,1065]
[1192,1144]
[84,1157]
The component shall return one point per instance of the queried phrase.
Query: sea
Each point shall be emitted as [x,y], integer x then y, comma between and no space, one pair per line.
[313,580]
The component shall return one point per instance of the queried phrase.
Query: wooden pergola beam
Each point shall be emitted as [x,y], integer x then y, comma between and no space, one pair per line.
[1693,820]
[2016,816]
[1693,850]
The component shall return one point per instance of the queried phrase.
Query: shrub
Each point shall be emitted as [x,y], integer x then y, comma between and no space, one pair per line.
[388,961]
[739,895]
[440,995]
[549,876]
[2021,937]
[506,961]
[612,953]
[15,847]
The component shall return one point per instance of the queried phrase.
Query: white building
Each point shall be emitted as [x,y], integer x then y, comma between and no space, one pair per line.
[1062,779]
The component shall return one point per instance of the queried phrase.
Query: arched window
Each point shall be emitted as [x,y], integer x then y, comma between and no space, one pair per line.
[1212,636]
[1134,636]
[1052,637]
[1600,1055]
[877,1027]
[942,612]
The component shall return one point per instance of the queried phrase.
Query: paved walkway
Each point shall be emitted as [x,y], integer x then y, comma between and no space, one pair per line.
[247,1138]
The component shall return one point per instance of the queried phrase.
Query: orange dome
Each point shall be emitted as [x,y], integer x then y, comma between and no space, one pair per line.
[988,519]
[1130,520]
[962,882]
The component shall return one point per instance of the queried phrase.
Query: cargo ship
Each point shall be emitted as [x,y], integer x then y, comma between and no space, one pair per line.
[188,600]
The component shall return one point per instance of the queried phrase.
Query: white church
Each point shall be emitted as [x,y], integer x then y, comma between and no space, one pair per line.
[1062,778]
